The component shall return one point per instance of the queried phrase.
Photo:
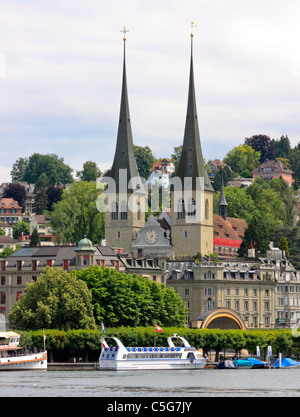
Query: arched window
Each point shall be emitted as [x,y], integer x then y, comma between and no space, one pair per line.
[114,211]
[139,211]
[206,209]
[191,208]
[180,209]
[123,210]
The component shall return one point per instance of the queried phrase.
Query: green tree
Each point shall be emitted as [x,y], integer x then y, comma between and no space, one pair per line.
[122,299]
[227,176]
[35,238]
[51,165]
[41,197]
[256,236]
[76,215]
[18,169]
[58,300]
[144,159]
[20,228]
[283,244]
[90,172]
[241,158]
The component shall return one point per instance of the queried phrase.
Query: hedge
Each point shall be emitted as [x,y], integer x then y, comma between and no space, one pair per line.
[85,345]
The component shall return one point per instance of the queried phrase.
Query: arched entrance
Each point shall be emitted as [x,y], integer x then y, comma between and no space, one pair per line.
[221,318]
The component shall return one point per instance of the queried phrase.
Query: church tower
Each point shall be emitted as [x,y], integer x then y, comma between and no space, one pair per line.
[125,198]
[192,209]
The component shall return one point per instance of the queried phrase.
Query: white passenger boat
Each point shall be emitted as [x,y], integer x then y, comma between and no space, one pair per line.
[121,358]
[12,357]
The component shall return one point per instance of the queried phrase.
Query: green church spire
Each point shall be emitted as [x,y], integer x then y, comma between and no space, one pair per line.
[191,163]
[124,155]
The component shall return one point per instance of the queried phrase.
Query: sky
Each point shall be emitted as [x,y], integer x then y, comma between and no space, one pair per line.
[61,74]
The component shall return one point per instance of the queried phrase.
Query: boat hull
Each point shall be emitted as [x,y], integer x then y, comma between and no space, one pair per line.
[127,365]
[37,361]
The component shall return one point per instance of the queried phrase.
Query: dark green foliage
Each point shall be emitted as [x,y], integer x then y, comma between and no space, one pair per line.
[121,299]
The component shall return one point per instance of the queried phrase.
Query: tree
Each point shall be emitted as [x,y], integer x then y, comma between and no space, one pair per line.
[262,144]
[282,147]
[18,169]
[283,244]
[54,195]
[122,299]
[76,215]
[242,158]
[21,228]
[41,197]
[176,156]
[144,159]
[57,300]
[56,171]
[17,192]
[256,237]
[90,172]
[225,173]
[35,238]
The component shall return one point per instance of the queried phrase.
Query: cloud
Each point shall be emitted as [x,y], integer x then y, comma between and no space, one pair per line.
[61,68]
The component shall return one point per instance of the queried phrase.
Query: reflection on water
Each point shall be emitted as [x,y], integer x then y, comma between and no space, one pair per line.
[198,383]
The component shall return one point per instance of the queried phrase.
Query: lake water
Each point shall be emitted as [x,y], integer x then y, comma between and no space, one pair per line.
[155,384]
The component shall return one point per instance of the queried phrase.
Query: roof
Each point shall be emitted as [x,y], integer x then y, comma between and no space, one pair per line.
[276,166]
[7,239]
[232,229]
[9,203]
[124,158]
[191,164]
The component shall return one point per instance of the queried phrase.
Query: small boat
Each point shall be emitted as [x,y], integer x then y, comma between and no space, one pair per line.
[121,358]
[12,357]
[249,363]
[225,364]
[284,363]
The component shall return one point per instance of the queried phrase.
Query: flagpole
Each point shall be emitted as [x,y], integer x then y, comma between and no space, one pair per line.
[154,334]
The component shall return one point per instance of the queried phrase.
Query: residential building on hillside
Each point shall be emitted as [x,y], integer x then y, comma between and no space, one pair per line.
[7,242]
[270,170]
[10,211]
[161,173]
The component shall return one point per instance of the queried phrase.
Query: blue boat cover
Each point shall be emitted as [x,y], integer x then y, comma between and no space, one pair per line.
[285,363]
[255,361]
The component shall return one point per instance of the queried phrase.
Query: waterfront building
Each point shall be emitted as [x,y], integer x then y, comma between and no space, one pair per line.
[26,265]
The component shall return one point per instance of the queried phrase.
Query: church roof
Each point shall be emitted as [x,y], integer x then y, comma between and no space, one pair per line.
[191,162]
[124,158]
[232,229]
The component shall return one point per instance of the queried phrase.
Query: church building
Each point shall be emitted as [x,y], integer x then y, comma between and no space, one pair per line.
[188,227]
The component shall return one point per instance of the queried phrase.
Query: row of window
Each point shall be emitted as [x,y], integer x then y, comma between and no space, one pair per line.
[209,305]
[211,291]
[3,299]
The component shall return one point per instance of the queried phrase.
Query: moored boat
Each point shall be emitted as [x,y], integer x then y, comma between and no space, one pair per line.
[120,358]
[12,357]
[283,363]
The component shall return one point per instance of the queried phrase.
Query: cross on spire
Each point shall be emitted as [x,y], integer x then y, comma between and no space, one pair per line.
[192,26]
[124,31]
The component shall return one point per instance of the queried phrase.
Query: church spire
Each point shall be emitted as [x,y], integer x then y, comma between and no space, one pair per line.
[191,163]
[222,204]
[124,155]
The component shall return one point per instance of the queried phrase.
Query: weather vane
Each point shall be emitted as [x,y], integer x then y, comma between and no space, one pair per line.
[192,26]
[124,32]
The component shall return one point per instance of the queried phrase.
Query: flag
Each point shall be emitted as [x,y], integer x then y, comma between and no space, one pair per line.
[102,327]
[158,329]
[269,351]
[257,351]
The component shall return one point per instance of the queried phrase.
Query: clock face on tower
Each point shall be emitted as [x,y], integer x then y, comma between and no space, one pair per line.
[151,236]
